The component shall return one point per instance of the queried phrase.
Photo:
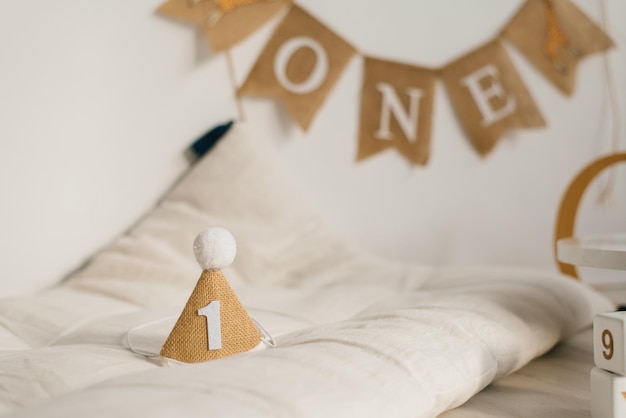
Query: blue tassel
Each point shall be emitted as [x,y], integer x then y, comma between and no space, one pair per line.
[209,139]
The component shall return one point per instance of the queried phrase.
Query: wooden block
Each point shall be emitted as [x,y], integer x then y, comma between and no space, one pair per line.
[608,342]
[608,394]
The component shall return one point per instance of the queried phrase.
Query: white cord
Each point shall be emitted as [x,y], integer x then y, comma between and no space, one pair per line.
[266,337]
[138,327]
[606,193]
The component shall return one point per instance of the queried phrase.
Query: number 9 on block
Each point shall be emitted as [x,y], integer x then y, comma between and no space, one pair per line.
[608,341]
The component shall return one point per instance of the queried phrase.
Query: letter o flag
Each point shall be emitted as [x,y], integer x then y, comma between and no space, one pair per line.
[286,52]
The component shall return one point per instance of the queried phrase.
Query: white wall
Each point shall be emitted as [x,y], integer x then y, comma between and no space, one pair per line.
[99,99]
[460,208]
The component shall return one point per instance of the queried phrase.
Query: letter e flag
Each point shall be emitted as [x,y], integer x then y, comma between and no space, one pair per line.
[489,96]
[396,110]
[300,64]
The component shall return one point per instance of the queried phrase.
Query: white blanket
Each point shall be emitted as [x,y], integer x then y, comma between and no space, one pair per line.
[356,336]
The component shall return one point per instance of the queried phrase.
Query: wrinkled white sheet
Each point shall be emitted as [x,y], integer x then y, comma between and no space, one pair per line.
[356,336]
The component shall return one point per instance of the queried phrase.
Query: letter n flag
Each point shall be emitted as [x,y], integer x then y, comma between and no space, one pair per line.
[299,65]
[396,110]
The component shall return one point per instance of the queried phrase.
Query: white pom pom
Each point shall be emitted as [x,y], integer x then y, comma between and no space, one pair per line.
[215,248]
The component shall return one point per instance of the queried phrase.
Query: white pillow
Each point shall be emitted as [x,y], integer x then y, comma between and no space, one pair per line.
[240,186]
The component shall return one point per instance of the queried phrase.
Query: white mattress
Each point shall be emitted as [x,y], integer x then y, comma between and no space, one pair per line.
[356,336]
[555,385]
[77,365]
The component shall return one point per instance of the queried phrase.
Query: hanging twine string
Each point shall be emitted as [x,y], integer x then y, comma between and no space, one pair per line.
[226,6]
[233,81]
[607,193]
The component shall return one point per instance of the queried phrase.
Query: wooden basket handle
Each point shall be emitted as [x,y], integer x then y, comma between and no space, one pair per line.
[566,218]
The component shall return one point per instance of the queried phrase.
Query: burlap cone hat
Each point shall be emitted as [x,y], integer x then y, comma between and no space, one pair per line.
[213,323]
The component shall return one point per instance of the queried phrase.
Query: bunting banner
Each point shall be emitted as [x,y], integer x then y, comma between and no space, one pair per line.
[304,59]
[299,65]
[489,96]
[396,110]
[554,36]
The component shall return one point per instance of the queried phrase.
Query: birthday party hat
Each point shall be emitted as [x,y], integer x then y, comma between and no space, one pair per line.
[213,323]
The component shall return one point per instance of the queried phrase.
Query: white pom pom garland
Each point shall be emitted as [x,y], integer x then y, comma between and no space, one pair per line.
[215,248]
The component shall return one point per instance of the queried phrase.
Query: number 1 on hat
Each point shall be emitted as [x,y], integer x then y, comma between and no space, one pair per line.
[214,324]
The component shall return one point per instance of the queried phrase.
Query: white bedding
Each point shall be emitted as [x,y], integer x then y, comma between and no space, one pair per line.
[356,336]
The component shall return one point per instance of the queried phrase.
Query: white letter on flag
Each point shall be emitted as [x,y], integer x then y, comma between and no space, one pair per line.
[391,104]
[317,76]
[483,95]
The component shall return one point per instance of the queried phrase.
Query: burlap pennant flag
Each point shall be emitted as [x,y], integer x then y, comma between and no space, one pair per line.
[396,110]
[199,336]
[224,22]
[489,96]
[555,35]
[300,64]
